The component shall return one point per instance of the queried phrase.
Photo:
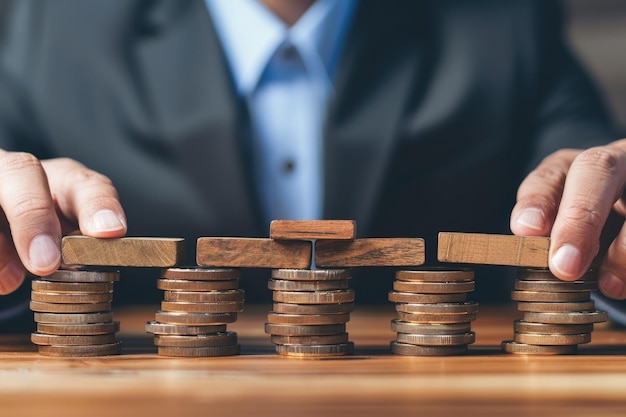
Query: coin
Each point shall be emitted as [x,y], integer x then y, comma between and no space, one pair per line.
[301,330]
[541,274]
[435,275]
[550,297]
[197,352]
[73,318]
[218,339]
[511,346]
[72,287]
[313,351]
[407,297]
[196,319]
[285,285]
[436,318]
[78,329]
[201,274]
[586,317]
[438,308]
[521,326]
[308,319]
[555,307]
[181,285]
[62,275]
[400,326]
[80,351]
[286,308]
[552,339]
[434,287]
[417,350]
[316,297]
[551,286]
[311,274]
[155,327]
[224,307]
[310,340]
[205,296]
[437,339]
[69,308]
[51,339]
[70,298]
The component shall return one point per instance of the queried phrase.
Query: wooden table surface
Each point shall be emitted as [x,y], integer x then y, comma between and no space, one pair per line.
[486,382]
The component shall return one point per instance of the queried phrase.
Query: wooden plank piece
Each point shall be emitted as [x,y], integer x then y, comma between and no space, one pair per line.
[492,249]
[313,229]
[253,253]
[370,252]
[127,251]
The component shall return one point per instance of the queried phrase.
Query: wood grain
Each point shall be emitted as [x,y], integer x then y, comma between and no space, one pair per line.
[491,249]
[370,252]
[127,251]
[253,253]
[313,229]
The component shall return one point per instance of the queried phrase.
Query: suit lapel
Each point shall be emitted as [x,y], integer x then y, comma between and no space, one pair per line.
[380,68]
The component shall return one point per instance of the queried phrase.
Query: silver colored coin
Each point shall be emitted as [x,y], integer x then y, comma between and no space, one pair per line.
[399,326]
[555,307]
[78,329]
[197,352]
[205,296]
[81,351]
[436,339]
[194,319]
[586,317]
[511,346]
[552,286]
[550,297]
[155,327]
[287,308]
[521,326]
[552,339]
[71,287]
[42,307]
[311,274]
[285,285]
[218,339]
[69,275]
[73,318]
[201,274]
[310,340]
[316,351]
[435,318]
[417,350]
[439,308]
[71,298]
[56,340]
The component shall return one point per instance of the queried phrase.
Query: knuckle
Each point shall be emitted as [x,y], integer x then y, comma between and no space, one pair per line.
[603,159]
[583,216]
[16,161]
[550,174]
[28,207]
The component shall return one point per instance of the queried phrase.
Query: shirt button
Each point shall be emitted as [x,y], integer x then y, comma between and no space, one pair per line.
[289,166]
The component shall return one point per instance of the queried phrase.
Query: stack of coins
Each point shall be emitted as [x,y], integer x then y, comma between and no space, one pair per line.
[558,315]
[434,317]
[197,305]
[311,309]
[72,309]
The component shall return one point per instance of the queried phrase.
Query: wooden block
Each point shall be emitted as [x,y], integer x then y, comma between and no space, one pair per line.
[370,252]
[313,229]
[490,249]
[127,251]
[253,253]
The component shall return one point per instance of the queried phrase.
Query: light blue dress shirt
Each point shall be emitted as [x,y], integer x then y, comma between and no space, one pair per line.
[285,75]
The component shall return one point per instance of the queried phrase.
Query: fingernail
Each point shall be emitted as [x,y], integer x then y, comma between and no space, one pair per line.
[610,285]
[106,221]
[44,253]
[567,260]
[532,218]
[12,277]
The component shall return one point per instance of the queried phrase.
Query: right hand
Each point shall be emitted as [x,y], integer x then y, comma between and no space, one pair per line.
[43,200]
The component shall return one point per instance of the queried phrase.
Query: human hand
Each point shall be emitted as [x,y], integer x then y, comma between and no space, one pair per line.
[569,197]
[43,200]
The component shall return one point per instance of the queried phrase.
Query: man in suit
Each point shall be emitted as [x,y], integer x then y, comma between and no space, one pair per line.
[129,116]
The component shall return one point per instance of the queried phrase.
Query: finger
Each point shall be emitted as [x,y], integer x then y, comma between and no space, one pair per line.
[12,273]
[29,209]
[612,274]
[86,197]
[594,183]
[539,195]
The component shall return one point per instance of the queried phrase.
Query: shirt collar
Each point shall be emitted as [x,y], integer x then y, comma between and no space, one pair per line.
[250,34]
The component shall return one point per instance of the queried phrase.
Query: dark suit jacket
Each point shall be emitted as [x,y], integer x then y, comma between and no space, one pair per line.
[440,109]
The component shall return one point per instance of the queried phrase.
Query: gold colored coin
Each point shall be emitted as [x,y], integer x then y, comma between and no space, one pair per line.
[63,275]
[521,326]
[550,297]
[307,319]
[78,329]
[316,351]
[399,326]
[69,308]
[225,307]
[180,285]
[436,318]
[310,340]
[303,330]
[436,275]
[439,308]
[194,319]
[70,298]
[586,317]
[544,274]
[198,352]
[285,285]
[417,350]
[311,274]
[72,287]
[205,296]
[56,340]
[314,297]
[286,308]
[511,346]
[201,274]
[436,339]
[422,287]
[73,318]
[413,298]
[552,286]
[218,339]
[552,339]
[555,307]
[81,351]
[155,327]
